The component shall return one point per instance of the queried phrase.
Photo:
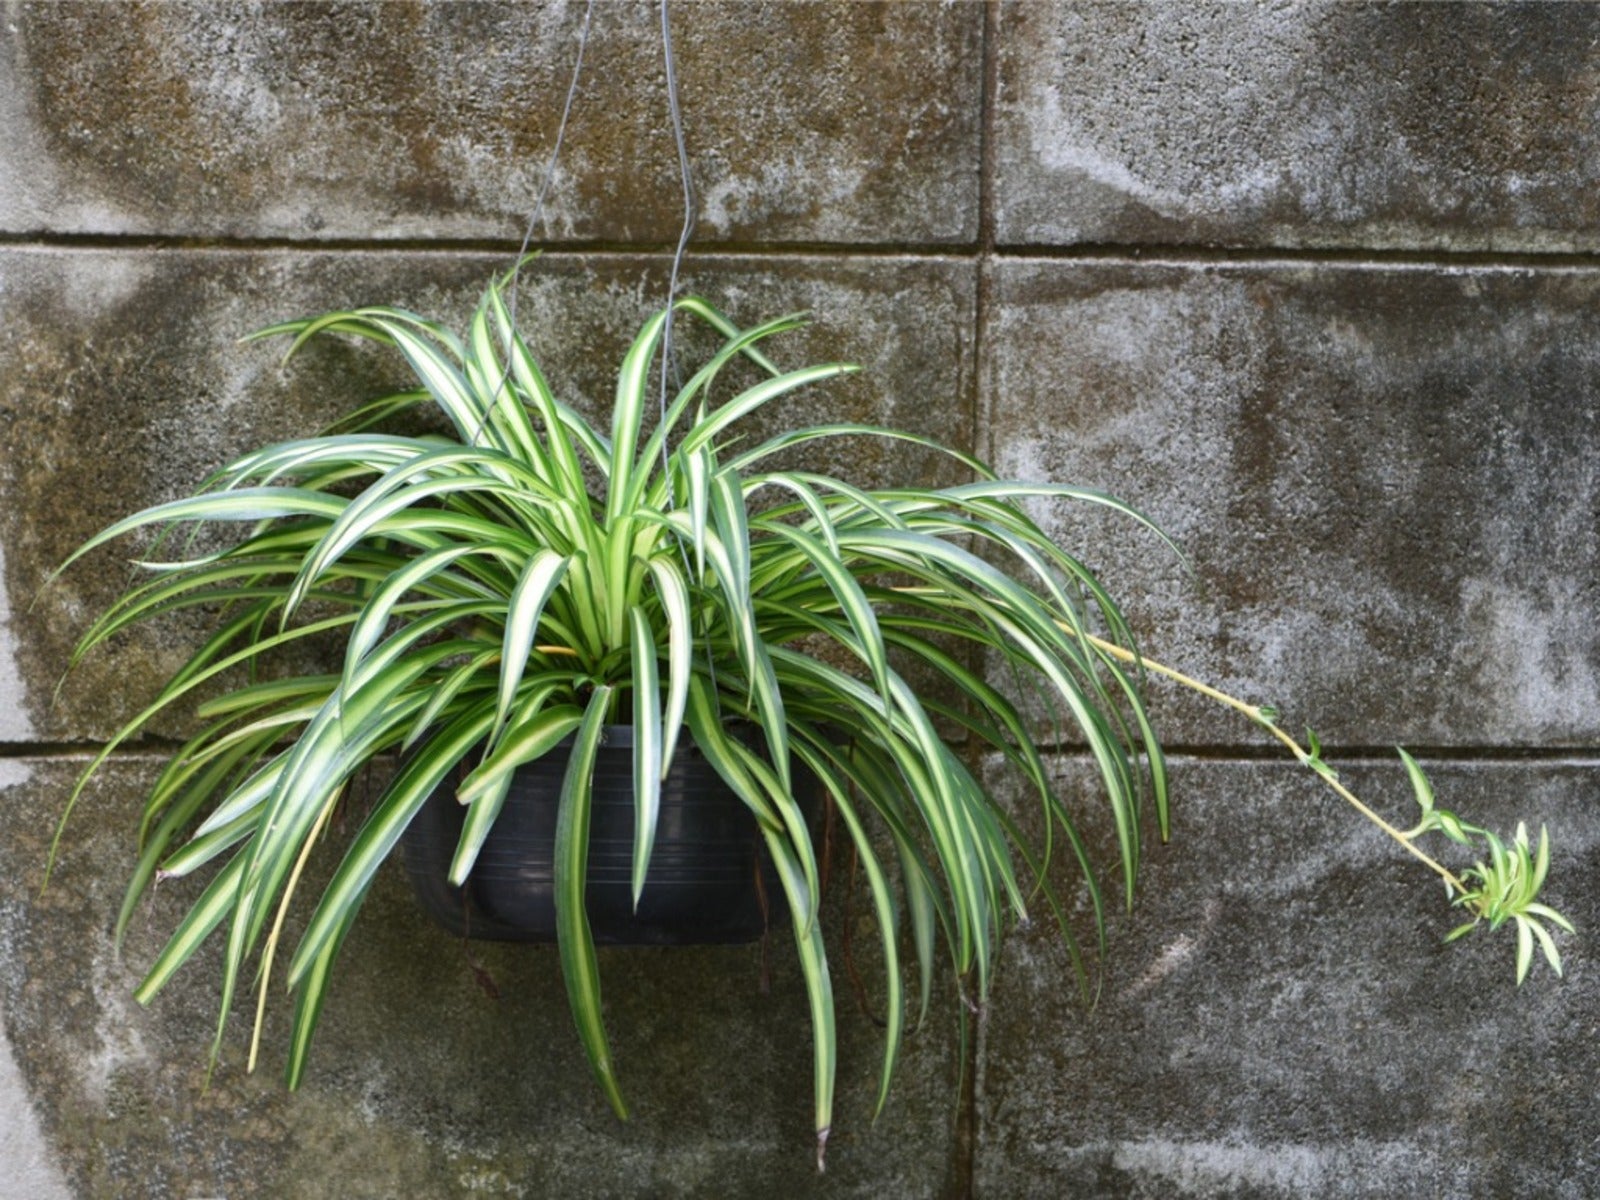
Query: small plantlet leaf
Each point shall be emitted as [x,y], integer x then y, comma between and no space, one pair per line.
[1419,782]
[1546,943]
[1524,949]
[1450,825]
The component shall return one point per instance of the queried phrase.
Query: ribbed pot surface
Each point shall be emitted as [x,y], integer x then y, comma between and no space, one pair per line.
[710,880]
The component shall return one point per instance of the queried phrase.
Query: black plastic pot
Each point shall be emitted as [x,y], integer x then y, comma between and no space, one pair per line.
[710,882]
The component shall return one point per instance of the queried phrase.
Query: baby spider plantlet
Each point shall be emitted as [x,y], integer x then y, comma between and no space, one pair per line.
[1505,887]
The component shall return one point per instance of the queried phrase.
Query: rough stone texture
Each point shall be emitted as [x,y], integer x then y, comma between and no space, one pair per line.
[15,723]
[1386,476]
[1451,126]
[808,122]
[1279,1019]
[31,1168]
[131,388]
[1387,480]
[422,1082]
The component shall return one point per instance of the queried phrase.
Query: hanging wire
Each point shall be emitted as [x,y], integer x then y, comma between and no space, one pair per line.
[549,173]
[669,360]
[537,213]
[667,356]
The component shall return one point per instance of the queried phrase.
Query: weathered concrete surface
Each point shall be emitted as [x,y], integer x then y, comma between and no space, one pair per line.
[438,1071]
[1459,126]
[32,1171]
[129,387]
[1386,477]
[1279,1018]
[15,723]
[810,123]
[1388,482]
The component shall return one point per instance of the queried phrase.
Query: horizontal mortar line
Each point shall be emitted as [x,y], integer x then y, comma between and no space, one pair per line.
[45,240]
[1108,253]
[144,748]
[1336,756]
[1266,256]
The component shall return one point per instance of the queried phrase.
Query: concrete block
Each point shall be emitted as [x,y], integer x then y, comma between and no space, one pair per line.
[1279,1018]
[1387,481]
[129,389]
[1414,126]
[440,1069]
[806,123]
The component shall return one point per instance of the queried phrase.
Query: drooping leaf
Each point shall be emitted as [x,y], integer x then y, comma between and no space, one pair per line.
[579,966]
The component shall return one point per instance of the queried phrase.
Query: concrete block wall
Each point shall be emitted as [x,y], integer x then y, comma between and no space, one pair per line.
[1312,284]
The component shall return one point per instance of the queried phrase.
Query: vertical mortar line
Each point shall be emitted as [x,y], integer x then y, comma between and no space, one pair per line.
[964,1158]
[978,440]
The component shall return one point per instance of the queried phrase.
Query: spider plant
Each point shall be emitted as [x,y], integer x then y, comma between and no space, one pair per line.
[531,578]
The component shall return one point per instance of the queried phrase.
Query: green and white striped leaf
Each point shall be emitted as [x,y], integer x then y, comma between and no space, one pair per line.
[579,966]
[628,411]
[484,791]
[674,595]
[539,579]
[746,402]
[422,773]
[648,764]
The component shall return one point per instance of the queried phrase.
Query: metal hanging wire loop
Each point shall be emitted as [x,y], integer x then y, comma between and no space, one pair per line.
[689,204]
[555,154]
[538,212]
